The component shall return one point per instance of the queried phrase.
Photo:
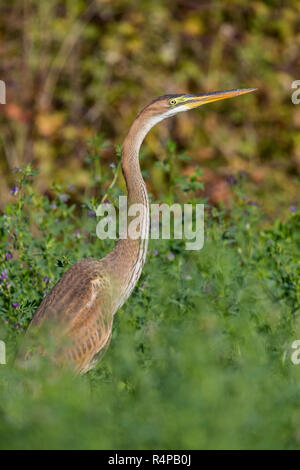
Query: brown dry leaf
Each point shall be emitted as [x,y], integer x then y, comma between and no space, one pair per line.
[216,188]
[218,191]
[205,153]
[15,112]
[258,174]
[48,124]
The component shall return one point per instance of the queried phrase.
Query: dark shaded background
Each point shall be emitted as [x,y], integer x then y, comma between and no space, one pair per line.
[75,68]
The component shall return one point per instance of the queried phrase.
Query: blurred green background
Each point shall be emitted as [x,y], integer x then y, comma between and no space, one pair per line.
[75,68]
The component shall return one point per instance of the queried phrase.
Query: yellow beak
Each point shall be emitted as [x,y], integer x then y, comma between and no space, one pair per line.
[198,100]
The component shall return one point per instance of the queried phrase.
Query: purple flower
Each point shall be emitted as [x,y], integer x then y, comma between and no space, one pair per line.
[91,213]
[231,180]
[8,256]
[112,165]
[155,252]
[3,275]
[15,305]
[17,325]
[14,190]
[47,279]
[17,170]
[63,197]
[293,208]
[53,206]
[171,256]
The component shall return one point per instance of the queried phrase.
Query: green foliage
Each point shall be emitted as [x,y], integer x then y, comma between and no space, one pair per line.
[201,352]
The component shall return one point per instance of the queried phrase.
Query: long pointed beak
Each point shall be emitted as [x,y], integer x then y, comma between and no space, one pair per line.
[198,100]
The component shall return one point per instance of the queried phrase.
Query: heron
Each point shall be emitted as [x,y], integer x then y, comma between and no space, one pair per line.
[80,308]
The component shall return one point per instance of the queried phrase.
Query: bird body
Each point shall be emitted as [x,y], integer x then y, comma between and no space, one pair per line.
[78,312]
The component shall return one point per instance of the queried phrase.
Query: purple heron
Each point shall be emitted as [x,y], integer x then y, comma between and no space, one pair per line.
[81,306]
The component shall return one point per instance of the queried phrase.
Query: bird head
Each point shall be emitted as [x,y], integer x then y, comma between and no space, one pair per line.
[169,105]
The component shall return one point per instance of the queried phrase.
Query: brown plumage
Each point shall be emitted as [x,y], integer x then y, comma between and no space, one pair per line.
[78,312]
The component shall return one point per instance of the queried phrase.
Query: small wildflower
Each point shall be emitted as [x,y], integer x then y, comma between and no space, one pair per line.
[253,203]
[293,208]
[112,165]
[53,206]
[8,284]
[231,180]
[77,233]
[63,197]
[171,256]
[155,252]
[8,256]
[47,279]
[91,213]
[3,275]
[17,325]
[15,305]
[14,190]
[17,170]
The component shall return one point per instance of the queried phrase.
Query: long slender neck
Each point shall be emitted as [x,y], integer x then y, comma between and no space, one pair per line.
[130,160]
[128,256]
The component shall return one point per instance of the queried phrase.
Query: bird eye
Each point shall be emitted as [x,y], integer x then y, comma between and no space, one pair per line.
[172,102]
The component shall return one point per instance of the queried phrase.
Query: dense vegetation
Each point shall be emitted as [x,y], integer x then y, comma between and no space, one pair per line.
[201,352]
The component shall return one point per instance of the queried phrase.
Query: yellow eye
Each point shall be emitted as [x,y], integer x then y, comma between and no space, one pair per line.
[172,102]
